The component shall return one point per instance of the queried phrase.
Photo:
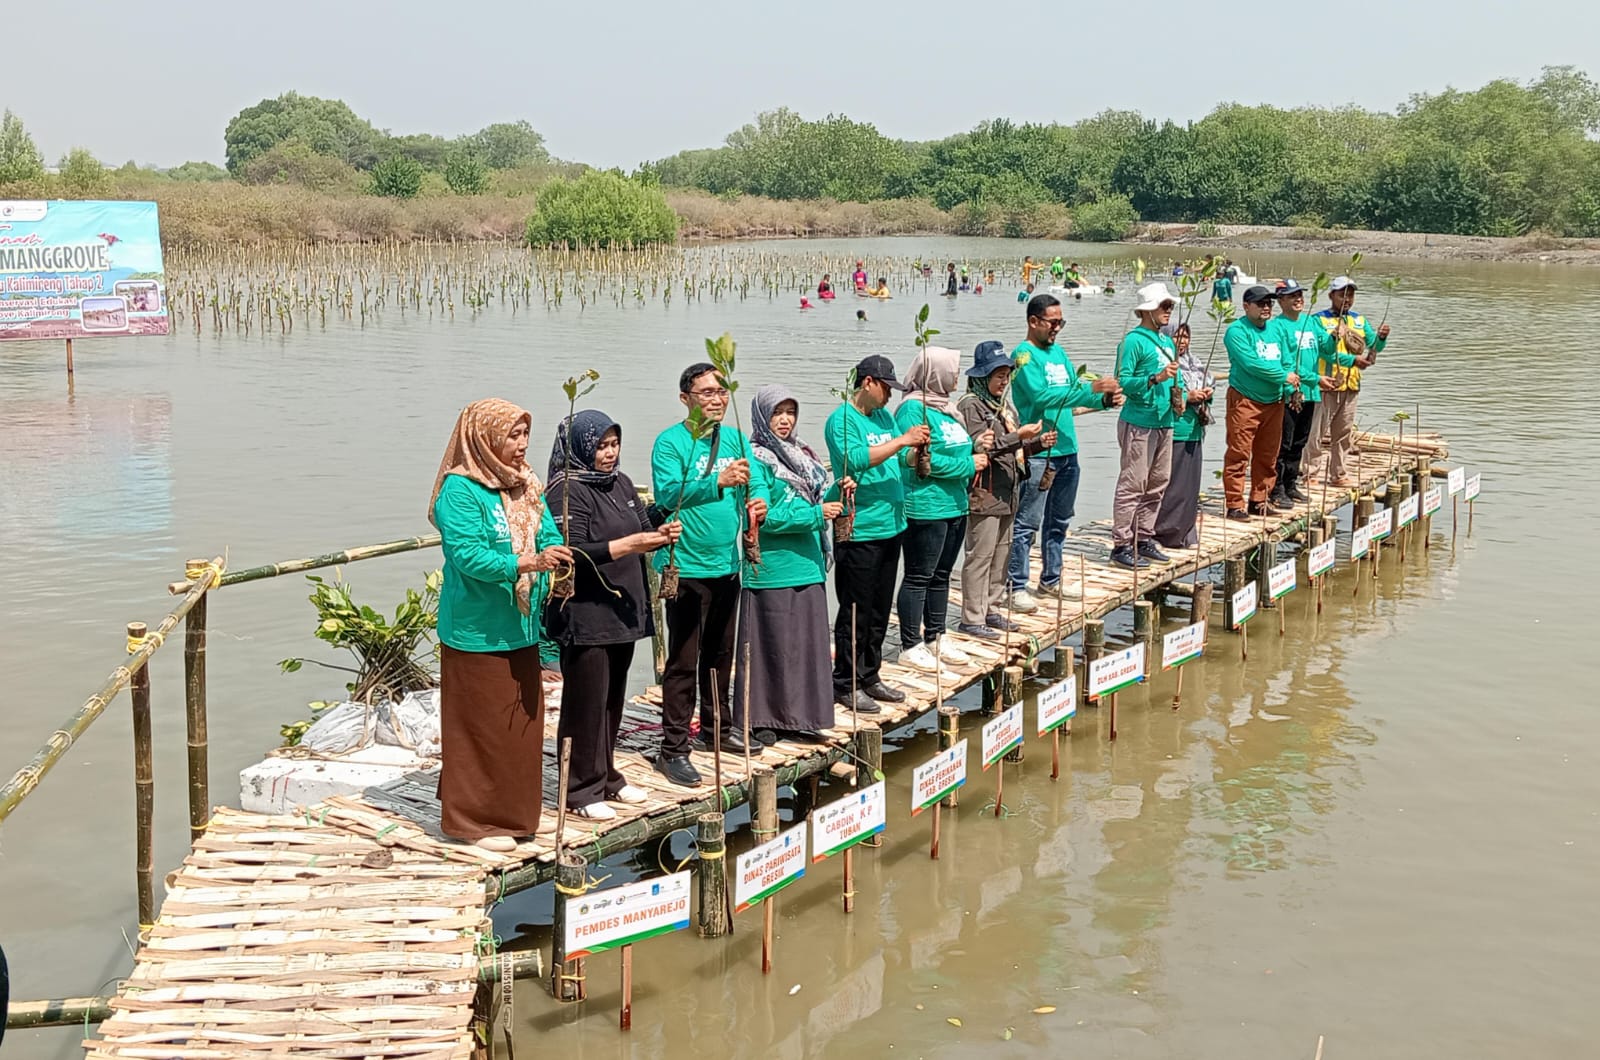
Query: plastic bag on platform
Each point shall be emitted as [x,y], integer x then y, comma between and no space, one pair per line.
[342,729]
[412,723]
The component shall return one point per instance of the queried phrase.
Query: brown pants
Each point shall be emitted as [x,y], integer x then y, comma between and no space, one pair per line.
[1336,418]
[1146,467]
[1255,431]
[983,574]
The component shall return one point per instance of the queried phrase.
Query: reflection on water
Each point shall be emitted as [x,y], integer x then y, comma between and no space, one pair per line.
[1351,817]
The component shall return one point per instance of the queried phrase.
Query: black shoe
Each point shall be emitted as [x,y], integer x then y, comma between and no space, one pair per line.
[999,622]
[679,770]
[1238,513]
[732,741]
[865,704]
[981,632]
[884,694]
[1279,502]
[805,736]
[766,737]
[1123,556]
[1148,550]
[1294,493]
[1257,508]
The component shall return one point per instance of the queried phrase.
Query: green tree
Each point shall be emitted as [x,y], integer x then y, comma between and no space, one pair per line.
[19,156]
[326,126]
[198,172]
[506,145]
[293,161]
[1106,221]
[601,209]
[397,177]
[428,151]
[82,175]
[465,174]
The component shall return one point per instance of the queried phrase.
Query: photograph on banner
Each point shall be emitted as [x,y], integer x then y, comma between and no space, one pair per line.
[938,777]
[75,269]
[1457,480]
[1360,541]
[1280,579]
[1002,734]
[1319,560]
[769,868]
[1116,671]
[1057,704]
[1408,510]
[848,821]
[1474,485]
[1244,605]
[1381,523]
[1181,645]
[1432,500]
[620,916]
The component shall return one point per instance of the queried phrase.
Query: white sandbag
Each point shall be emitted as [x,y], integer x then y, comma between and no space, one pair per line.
[412,723]
[341,729]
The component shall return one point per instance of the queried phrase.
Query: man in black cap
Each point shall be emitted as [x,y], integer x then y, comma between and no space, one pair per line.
[862,440]
[1258,373]
[1305,344]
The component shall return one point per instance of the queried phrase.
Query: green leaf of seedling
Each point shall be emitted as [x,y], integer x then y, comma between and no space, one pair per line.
[922,317]
[877,774]
[289,666]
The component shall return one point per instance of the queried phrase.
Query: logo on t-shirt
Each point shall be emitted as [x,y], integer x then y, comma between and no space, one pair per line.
[878,437]
[722,462]
[502,529]
[1055,374]
[952,433]
[1267,351]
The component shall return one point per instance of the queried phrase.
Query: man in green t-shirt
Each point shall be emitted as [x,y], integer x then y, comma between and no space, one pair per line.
[1258,372]
[862,440]
[705,482]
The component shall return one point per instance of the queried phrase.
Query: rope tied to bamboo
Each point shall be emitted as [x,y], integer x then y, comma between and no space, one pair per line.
[210,571]
[155,637]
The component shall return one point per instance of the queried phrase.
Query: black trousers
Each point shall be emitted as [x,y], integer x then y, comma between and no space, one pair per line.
[932,548]
[1296,433]
[594,688]
[864,574]
[700,628]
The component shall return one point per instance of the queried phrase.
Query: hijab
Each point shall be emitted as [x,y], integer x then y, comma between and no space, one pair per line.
[1193,370]
[588,428]
[791,459]
[473,452]
[932,377]
[998,407]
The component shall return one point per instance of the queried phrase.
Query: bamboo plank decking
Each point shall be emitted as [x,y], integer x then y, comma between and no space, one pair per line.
[354,929]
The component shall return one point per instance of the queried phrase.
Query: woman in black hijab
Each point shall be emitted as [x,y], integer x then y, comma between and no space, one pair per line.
[608,528]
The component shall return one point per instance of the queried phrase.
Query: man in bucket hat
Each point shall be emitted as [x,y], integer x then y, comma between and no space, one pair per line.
[1258,372]
[1147,370]
[1336,413]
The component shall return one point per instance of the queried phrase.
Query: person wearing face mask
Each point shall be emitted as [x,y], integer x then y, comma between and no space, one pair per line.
[704,479]
[783,609]
[498,544]
[610,530]
[1258,373]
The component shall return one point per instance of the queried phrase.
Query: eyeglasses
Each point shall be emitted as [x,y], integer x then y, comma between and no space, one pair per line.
[711,394]
[1166,305]
[1053,325]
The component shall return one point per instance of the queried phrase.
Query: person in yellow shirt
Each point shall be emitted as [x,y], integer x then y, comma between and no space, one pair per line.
[1336,412]
[1028,269]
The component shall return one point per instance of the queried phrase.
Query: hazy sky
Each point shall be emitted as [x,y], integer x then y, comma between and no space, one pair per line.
[618,83]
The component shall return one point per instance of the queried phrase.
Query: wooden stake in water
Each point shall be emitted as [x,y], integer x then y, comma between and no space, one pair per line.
[1177,693]
[744,668]
[561,794]
[1244,642]
[69,360]
[626,1019]
[1113,717]
[938,701]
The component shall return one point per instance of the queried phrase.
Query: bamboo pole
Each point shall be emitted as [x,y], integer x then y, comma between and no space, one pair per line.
[1200,603]
[764,826]
[713,878]
[144,795]
[69,364]
[572,880]
[55,747]
[625,1019]
[330,559]
[869,766]
[1144,627]
[194,707]
[1094,646]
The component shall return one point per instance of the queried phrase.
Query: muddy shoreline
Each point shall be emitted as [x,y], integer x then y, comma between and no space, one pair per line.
[1419,245]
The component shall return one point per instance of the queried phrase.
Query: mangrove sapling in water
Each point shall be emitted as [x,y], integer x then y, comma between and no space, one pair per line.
[562,582]
[722,354]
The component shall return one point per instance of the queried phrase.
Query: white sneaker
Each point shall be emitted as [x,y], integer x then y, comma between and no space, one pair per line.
[951,654]
[918,657]
[596,811]
[1023,602]
[631,796]
[1064,589]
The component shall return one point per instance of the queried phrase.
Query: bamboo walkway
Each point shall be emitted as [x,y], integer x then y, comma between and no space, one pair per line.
[355,929]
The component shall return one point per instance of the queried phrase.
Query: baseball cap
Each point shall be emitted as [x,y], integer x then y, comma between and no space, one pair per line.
[1341,282]
[880,368]
[1286,287]
[1258,293]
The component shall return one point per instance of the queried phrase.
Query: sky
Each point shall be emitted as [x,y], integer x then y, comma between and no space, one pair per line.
[623,82]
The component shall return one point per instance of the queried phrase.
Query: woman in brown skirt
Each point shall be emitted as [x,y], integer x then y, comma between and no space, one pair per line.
[497,544]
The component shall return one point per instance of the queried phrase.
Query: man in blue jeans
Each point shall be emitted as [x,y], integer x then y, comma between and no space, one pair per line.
[1046,386]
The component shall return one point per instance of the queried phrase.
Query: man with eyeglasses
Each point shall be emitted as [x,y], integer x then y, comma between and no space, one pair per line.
[1306,344]
[1147,370]
[1259,372]
[862,440]
[1337,411]
[706,482]
[1045,386]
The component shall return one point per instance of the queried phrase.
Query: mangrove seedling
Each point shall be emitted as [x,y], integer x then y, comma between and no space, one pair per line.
[922,459]
[698,428]
[388,654]
[1221,314]
[844,526]
[562,582]
[721,352]
[1390,286]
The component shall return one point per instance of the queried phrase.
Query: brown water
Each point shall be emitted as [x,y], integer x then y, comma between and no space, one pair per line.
[1383,829]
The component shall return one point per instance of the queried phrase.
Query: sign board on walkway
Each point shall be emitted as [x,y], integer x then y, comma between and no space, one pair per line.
[1432,500]
[1244,605]
[1360,541]
[1057,705]
[938,777]
[1474,485]
[848,821]
[1280,579]
[72,270]
[769,868]
[1002,734]
[1381,523]
[1408,510]
[1181,645]
[1457,480]
[1109,673]
[1319,560]
[620,916]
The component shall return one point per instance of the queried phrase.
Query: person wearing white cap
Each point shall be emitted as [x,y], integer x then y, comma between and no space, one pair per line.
[1305,345]
[1147,370]
[1336,413]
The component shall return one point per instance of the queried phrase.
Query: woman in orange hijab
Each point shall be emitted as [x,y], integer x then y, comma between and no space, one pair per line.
[488,507]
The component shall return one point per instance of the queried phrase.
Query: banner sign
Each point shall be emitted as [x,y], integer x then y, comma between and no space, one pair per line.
[70,270]
[1474,485]
[1110,673]
[1432,500]
[1457,480]
[769,868]
[1360,541]
[1057,705]
[1002,734]
[1280,579]
[848,821]
[1244,605]
[1408,509]
[1181,645]
[1381,523]
[1320,559]
[621,916]
[938,777]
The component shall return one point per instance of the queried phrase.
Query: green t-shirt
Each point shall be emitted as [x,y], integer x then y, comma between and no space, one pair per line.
[791,536]
[943,494]
[477,602]
[880,494]
[1045,387]
[1306,343]
[1142,354]
[1222,289]
[684,483]
[1257,364]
